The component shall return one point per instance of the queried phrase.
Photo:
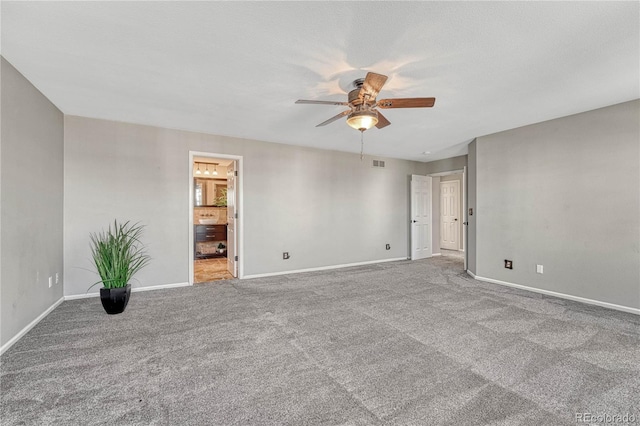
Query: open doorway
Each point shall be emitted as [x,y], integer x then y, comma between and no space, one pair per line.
[449,217]
[213,213]
[451,230]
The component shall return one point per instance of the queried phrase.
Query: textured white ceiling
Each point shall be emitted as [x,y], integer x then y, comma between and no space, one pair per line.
[236,68]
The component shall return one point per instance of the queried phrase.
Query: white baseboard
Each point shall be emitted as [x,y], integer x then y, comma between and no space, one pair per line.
[81,296]
[436,254]
[133,290]
[159,287]
[322,268]
[32,324]
[560,295]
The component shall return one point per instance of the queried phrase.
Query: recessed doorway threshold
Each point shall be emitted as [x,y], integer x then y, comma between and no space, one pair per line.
[207,270]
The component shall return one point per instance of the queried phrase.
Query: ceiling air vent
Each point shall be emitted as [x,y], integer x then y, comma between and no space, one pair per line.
[378,164]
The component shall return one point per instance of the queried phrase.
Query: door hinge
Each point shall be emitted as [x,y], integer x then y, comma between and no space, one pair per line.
[236,258]
[236,215]
[235,172]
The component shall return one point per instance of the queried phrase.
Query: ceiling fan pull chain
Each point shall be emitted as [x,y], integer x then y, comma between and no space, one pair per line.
[361,145]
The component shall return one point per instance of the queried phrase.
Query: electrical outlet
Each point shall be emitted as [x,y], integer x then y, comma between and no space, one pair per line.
[57,278]
[508,264]
[50,281]
[540,269]
[388,246]
[285,255]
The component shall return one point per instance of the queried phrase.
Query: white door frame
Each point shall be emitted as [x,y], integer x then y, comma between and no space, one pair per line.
[239,208]
[464,218]
[464,207]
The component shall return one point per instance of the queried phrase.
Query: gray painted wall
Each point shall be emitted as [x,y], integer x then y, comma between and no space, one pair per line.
[323,207]
[31,202]
[471,204]
[446,165]
[565,194]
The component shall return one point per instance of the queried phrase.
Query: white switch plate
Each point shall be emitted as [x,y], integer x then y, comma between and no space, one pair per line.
[57,278]
[540,269]
[50,281]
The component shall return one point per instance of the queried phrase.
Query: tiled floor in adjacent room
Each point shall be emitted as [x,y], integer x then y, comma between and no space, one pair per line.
[207,270]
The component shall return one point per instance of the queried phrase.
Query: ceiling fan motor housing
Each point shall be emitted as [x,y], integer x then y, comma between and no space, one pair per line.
[354,95]
[354,98]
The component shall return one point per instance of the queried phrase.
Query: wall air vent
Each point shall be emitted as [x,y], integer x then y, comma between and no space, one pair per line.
[378,164]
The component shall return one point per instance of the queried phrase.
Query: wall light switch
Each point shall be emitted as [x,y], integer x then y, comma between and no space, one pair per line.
[57,278]
[539,269]
[50,281]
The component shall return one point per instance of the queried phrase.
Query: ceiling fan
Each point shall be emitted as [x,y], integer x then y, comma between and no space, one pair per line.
[362,113]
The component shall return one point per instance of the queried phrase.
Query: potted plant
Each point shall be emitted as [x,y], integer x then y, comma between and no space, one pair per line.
[117,254]
[221,248]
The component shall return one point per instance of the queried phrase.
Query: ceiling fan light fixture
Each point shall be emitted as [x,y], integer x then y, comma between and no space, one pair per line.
[363,120]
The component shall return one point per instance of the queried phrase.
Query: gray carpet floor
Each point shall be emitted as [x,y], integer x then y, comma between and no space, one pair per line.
[402,343]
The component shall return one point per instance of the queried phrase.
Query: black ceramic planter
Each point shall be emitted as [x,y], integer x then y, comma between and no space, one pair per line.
[114,300]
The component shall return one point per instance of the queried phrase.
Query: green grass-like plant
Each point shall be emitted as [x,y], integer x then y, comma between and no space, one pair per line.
[221,201]
[118,254]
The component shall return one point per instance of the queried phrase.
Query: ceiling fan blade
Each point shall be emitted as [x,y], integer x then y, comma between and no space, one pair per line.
[372,84]
[382,121]
[334,118]
[406,103]
[304,101]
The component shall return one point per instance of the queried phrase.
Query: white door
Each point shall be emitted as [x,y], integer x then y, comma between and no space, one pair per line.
[232,237]
[420,217]
[449,215]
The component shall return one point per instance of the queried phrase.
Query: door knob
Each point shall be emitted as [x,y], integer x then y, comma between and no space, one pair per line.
[456,219]
[413,221]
